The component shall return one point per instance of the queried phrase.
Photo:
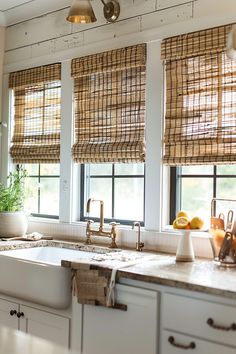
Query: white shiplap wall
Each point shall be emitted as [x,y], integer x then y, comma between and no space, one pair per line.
[50,37]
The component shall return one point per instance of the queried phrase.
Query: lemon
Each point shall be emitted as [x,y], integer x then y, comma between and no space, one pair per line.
[196,223]
[182,213]
[181,223]
[174,224]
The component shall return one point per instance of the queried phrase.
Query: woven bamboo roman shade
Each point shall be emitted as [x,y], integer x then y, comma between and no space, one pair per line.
[109,96]
[37,114]
[200,117]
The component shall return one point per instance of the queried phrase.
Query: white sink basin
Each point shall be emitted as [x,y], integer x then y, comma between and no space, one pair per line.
[35,274]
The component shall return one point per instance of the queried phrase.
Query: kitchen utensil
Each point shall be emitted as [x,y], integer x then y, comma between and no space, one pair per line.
[218,223]
[234,228]
[230,217]
[218,226]
[217,230]
[227,254]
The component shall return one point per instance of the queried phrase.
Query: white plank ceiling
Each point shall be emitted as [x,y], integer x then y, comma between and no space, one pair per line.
[15,11]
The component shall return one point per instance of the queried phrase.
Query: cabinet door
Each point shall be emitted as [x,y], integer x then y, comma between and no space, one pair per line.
[7,317]
[180,345]
[107,331]
[45,325]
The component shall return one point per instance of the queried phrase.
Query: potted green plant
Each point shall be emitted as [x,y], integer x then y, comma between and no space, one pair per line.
[13,221]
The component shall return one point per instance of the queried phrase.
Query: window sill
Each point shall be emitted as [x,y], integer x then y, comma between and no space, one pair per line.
[167,230]
[81,224]
[43,220]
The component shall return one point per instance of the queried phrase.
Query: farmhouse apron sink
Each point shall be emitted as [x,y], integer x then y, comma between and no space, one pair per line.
[35,274]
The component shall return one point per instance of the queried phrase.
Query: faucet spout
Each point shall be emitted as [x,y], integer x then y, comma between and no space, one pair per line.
[90,200]
[89,205]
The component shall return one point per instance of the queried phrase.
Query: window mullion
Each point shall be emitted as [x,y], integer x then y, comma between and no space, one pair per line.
[113,191]
[66,186]
[39,189]
[154,104]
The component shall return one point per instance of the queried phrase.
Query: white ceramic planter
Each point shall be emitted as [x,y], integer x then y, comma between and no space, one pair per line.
[13,224]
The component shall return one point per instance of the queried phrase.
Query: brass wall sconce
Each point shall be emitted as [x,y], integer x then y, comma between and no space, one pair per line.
[81,11]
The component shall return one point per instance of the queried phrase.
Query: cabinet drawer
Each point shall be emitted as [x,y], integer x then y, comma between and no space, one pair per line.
[200,318]
[200,346]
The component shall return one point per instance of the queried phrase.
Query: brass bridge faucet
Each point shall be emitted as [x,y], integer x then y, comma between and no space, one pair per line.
[139,244]
[100,232]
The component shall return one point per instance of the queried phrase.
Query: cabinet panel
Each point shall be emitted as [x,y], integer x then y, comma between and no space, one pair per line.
[190,316]
[45,325]
[5,318]
[107,331]
[201,346]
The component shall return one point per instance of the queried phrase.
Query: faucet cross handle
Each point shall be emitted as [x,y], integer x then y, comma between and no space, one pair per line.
[113,234]
[88,231]
[113,223]
[89,221]
[139,244]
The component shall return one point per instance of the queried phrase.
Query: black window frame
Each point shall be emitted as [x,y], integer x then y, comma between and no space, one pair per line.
[175,190]
[113,176]
[39,176]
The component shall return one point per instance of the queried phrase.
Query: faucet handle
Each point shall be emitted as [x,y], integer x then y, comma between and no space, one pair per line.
[139,246]
[89,221]
[113,234]
[113,223]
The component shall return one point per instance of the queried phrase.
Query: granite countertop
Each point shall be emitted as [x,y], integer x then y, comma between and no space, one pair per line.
[202,275]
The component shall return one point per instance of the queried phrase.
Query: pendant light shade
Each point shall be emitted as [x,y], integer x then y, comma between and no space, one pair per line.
[81,11]
[231,44]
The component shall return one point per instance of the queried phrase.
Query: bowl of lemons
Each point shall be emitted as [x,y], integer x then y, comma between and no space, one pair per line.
[184,222]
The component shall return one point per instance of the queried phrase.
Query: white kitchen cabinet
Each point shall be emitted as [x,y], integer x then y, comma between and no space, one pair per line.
[8,311]
[45,325]
[107,331]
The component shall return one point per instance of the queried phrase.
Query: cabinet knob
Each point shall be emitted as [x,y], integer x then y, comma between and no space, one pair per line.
[13,312]
[20,314]
[191,345]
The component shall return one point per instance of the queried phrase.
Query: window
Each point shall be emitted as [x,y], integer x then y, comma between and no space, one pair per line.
[35,143]
[109,131]
[120,186]
[193,188]
[200,125]
[37,114]
[42,190]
